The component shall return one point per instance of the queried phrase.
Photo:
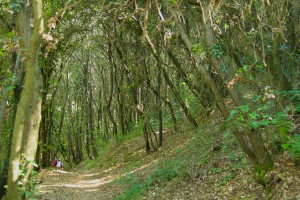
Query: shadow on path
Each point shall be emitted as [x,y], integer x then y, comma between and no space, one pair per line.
[58,184]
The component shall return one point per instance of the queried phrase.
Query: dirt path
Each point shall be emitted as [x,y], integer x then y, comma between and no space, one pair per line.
[76,185]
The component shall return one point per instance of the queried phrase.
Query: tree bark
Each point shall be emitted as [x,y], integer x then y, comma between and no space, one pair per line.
[279,80]
[26,127]
[179,99]
[158,102]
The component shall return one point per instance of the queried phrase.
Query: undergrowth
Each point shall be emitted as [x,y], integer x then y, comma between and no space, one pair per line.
[107,147]
[166,171]
[182,164]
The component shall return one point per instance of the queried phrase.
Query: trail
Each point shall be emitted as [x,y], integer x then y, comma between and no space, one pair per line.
[77,185]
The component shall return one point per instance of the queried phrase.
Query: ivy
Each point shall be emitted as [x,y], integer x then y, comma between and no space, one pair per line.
[17,5]
[27,188]
[216,51]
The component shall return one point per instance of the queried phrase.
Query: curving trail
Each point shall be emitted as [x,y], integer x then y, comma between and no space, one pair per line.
[77,185]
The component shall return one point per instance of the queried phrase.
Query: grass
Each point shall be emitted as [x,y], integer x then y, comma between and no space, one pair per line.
[106,148]
[167,171]
[179,164]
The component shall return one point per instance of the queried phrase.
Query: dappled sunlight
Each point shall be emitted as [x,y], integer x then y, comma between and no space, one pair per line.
[51,185]
[63,172]
[140,168]
[83,183]
[58,172]
[93,190]
[86,181]
[89,175]
[91,183]
[112,168]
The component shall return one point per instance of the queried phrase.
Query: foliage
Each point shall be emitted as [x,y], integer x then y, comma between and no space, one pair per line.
[216,51]
[291,143]
[135,188]
[260,115]
[198,48]
[27,186]
[167,171]
[16,5]
[98,63]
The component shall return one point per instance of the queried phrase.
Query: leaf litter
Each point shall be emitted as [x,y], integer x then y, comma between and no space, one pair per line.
[207,173]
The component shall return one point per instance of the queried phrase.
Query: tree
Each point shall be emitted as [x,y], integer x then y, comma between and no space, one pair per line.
[26,126]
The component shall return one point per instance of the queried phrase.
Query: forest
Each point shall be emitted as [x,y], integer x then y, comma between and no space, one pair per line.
[149,99]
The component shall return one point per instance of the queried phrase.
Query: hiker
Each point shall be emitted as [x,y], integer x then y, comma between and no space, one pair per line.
[57,163]
[60,164]
[54,162]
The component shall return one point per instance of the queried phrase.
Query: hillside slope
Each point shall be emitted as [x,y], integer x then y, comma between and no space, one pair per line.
[190,165]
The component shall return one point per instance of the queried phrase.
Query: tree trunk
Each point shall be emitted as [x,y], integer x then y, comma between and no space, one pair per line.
[256,140]
[179,99]
[279,80]
[212,85]
[146,135]
[159,106]
[91,123]
[262,156]
[26,127]
[203,94]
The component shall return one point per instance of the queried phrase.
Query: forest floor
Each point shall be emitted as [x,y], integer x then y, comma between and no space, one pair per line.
[201,165]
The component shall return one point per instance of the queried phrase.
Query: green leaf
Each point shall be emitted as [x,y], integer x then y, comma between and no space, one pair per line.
[232,115]
[244,108]
[9,88]
[253,115]
[227,134]
[285,146]
[259,66]
[283,130]
[264,122]
[274,121]
[233,112]
[27,193]
[11,34]
[255,124]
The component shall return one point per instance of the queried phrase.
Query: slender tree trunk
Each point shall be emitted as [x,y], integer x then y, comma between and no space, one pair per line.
[166,101]
[202,93]
[70,145]
[45,127]
[159,106]
[279,80]
[91,123]
[87,142]
[105,121]
[120,99]
[146,135]
[179,99]
[109,102]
